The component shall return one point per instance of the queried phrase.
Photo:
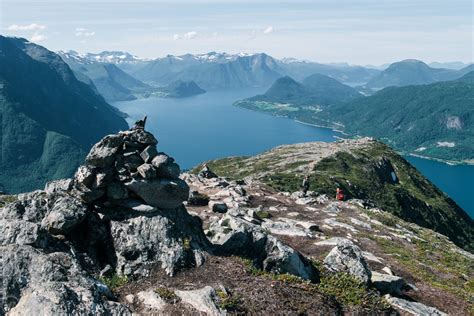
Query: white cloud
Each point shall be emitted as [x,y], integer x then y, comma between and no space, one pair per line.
[187,36]
[37,37]
[83,32]
[268,30]
[190,35]
[26,27]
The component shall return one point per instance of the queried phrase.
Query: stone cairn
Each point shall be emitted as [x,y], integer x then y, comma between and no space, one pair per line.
[127,166]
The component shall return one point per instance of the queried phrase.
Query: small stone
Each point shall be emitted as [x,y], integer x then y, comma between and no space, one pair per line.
[388,284]
[149,153]
[85,175]
[166,167]
[147,171]
[104,152]
[108,271]
[218,207]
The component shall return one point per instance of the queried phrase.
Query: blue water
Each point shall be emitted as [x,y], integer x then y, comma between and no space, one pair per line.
[205,127]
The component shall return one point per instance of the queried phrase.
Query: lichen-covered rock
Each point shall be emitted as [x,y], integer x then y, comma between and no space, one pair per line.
[413,308]
[166,167]
[65,214]
[347,257]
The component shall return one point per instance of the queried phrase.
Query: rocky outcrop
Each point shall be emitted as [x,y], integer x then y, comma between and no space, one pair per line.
[122,211]
[242,235]
[347,257]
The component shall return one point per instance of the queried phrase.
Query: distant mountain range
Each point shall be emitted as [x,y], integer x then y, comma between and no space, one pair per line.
[112,82]
[434,120]
[413,72]
[49,119]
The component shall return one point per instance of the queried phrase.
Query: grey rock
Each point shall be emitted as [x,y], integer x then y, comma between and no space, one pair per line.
[151,301]
[149,153]
[234,235]
[147,171]
[88,195]
[198,199]
[104,152]
[85,176]
[162,193]
[388,284]
[347,257]
[202,299]
[143,241]
[117,191]
[166,167]
[413,308]
[66,214]
[139,136]
[59,186]
[218,207]
[19,232]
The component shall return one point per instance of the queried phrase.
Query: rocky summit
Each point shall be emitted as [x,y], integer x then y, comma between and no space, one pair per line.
[65,249]
[130,233]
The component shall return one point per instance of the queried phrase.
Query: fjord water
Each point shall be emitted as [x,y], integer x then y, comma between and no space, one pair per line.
[207,126]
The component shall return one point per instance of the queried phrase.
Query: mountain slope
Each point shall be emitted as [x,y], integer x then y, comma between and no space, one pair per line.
[113,83]
[435,120]
[48,117]
[182,89]
[288,97]
[411,72]
[212,71]
[364,169]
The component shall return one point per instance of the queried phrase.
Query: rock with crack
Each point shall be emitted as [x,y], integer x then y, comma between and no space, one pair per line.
[412,308]
[151,301]
[241,235]
[388,284]
[347,257]
[202,299]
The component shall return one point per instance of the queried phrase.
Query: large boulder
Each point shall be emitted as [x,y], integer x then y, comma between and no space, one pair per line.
[66,213]
[241,235]
[347,257]
[388,284]
[103,153]
[162,193]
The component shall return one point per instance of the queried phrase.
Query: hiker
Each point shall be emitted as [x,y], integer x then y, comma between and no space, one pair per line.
[206,172]
[305,184]
[339,194]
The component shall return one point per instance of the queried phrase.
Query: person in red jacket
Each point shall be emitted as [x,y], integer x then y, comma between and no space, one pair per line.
[339,195]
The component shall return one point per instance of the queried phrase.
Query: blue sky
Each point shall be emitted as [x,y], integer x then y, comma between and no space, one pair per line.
[358,32]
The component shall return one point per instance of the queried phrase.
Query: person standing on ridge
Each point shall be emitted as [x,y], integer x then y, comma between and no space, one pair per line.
[305,184]
[339,194]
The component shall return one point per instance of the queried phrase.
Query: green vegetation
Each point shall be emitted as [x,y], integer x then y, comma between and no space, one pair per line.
[114,282]
[344,288]
[434,260]
[227,302]
[365,173]
[263,214]
[49,118]
[433,120]
[7,199]
[166,294]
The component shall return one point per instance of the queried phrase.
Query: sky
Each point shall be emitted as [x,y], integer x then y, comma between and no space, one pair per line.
[354,31]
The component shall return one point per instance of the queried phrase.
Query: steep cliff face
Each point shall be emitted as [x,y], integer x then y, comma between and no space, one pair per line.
[48,119]
[365,169]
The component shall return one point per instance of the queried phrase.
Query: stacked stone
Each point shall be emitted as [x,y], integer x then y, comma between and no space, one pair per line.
[127,166]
